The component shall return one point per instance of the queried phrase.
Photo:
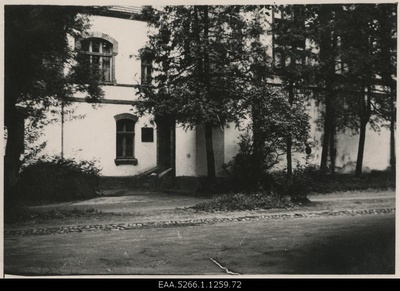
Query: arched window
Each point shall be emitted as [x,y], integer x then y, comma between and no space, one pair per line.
[101,50]
[125,139]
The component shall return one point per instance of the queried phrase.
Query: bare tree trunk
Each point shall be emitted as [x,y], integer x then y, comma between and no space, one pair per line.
[207,81]
[325,143]
[210,151]
[257,156]
[289,138]
[328,46]
[332,142]
[361,144]
[392,132]
[365,114]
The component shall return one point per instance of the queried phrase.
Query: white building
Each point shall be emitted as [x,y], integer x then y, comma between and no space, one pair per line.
[127,145]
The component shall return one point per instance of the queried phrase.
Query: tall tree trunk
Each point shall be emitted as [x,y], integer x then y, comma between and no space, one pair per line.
[329,137]
[392,132]
[207,81]
[327,51]
[325,145]
[289,138]
[257,156]
[361,144]
[365,114]
[210,151]
[332,139]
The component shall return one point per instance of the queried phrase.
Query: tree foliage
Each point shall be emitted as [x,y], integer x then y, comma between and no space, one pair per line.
[264,143]
[202,65]
[41,70]
[354,69]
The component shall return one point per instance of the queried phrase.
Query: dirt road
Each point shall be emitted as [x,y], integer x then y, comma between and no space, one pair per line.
[363,244]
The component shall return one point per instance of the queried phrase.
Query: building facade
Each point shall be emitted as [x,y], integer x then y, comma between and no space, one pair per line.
[125,144]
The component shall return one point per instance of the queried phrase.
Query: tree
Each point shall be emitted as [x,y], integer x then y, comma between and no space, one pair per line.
[368,47]
[200,67]
[387,68]
[40,71]
[356,43]
[292,59]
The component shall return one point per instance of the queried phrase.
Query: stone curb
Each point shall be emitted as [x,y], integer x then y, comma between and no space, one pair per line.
[189,222]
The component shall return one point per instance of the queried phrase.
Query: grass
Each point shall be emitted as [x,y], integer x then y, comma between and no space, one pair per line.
[20,214]
[376,180]
[18,211]
[318,183]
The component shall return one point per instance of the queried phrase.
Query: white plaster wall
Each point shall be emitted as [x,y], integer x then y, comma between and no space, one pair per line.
[131,36]
[185,152]
[116,93]
[376,151]
[201,154]
[191,159]
[52,137]
[314,139]
[231,142]
[94,138]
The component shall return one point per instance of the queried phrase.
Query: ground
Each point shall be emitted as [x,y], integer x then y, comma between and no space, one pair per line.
[145,234]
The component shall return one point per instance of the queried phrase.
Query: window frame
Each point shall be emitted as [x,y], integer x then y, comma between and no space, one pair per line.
[124,159]
[114,51]
[146,68]
[284,49]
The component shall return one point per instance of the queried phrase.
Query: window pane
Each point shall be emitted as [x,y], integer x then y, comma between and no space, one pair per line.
[85,45]
[129,146]
[130,125]
[95,60]
[107,47]
[119,146]
[95,45]
[106,69]
[120,125]
[125,138]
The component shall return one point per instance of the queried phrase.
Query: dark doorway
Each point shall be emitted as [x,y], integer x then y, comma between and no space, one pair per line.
[165,142]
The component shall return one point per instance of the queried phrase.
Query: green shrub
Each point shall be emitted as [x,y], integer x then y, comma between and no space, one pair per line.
[56,179]
[243,201]
[240,170]
[297,185]
[378,180]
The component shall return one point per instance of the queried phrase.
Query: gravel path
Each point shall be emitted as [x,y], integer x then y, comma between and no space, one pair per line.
[187,222]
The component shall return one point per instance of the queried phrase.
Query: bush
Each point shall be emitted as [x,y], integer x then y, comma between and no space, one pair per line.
[297,185]
[378,180]
[243,201]
[56,179]
[240,170]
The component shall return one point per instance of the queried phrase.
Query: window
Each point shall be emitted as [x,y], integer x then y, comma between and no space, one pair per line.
[288,49]
[101,51]
[146,68]
[125,145]
[341,67]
